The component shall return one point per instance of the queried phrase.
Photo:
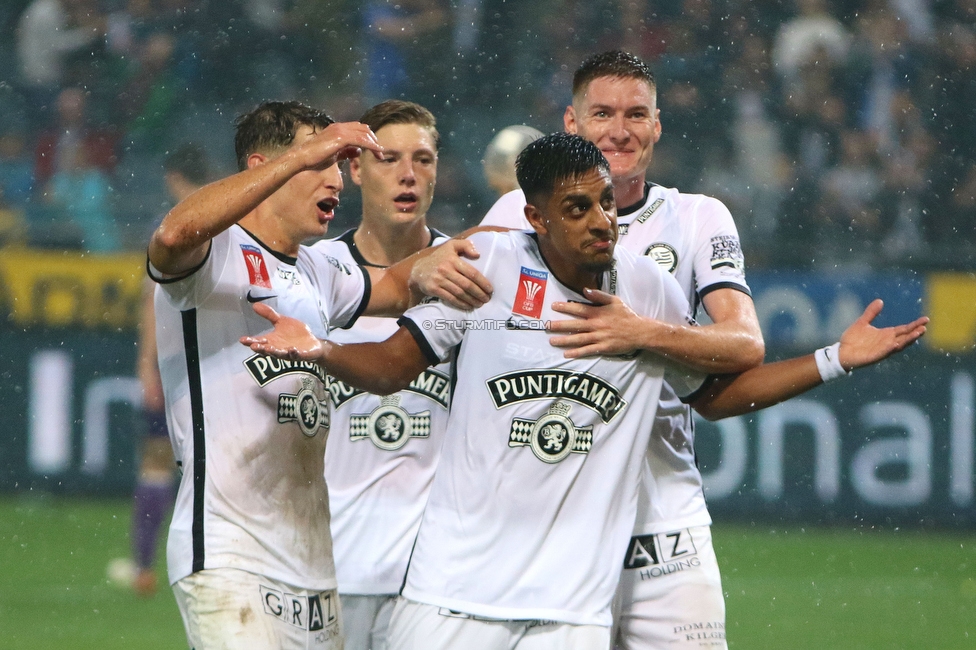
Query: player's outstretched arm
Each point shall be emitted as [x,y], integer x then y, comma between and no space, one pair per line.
[379,368]
[180,243]
[733,343]
[438,271]
[861,345]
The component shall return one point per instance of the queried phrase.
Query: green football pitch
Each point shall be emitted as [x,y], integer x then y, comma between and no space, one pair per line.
[789,587]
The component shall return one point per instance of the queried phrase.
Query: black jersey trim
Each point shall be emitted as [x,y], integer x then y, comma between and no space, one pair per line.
[631,209]
[182,276]
[287,259]
[724,285]
[421,340]
[435,234]
[367,291]
[348,238]
[413,547]
[195,380]
[454,374]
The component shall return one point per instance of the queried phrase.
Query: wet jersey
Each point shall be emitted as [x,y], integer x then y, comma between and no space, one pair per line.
[694,238]
[536,491]
[381,457]
[249,430]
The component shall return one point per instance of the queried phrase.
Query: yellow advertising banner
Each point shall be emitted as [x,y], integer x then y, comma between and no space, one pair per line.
[951,304]
[70,288]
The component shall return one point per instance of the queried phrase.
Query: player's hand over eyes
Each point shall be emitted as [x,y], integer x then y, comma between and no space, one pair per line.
[607,327]
[444,274]
[338,142]
[863,344]
[291,339]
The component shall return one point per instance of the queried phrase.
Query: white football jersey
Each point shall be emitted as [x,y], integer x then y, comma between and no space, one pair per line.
[249,430]
[381,457]
[694,238]
[536,492]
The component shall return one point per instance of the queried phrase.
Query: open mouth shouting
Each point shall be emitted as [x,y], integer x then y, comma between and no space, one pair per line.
[327,208]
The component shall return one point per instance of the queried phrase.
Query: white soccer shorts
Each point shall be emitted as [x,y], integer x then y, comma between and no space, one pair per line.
[366,620]
[416,626]
[670,593]
[229,609]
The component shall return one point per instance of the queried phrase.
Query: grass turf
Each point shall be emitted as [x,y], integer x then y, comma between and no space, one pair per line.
[847,588]
[786,588]
[53,589]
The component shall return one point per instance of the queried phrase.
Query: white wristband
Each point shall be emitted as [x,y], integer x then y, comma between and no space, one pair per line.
[828,363]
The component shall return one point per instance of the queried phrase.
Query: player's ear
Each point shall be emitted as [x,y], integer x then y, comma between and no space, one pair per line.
[657,125]
[355,170]
[569,119]
[256,159]
[535,219]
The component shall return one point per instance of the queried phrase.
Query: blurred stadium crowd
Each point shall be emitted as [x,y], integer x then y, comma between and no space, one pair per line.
[837,131]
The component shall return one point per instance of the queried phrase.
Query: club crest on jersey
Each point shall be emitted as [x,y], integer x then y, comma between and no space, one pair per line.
[664,254]
[531,293]
[257,272]
[552,437]
[309,411]
[389,426]
[580,387]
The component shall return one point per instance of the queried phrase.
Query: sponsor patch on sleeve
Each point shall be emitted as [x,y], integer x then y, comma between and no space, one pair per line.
[726,252]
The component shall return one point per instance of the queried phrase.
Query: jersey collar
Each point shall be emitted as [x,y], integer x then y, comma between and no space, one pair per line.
[348,238]
[631,209]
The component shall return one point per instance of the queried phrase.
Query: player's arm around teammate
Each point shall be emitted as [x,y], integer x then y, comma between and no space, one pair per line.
[733,343]
[615,107]
[862,344]
[437,271]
